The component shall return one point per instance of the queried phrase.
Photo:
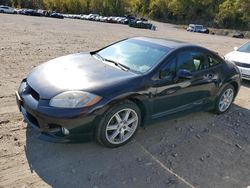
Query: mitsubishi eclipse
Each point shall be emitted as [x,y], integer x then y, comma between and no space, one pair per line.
[107,94]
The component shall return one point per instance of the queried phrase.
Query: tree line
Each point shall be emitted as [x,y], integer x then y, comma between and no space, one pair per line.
[216,13]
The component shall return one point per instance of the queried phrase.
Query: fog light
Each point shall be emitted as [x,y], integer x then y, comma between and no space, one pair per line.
[65,131]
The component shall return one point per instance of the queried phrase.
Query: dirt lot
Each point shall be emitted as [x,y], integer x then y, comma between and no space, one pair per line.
[198,150]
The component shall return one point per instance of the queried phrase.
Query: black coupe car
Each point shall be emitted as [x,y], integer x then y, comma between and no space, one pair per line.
[56,15]
[238,34]
[109,93]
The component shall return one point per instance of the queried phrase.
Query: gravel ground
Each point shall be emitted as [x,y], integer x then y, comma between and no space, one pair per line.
[198,150]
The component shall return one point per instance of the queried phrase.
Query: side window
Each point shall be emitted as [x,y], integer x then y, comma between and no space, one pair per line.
[192,61]
[168,71]
[212,61]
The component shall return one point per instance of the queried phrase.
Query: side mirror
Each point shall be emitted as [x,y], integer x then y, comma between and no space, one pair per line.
[184,74]
[235,48]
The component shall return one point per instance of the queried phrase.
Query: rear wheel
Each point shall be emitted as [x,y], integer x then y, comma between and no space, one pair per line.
[225,99]
[119,124]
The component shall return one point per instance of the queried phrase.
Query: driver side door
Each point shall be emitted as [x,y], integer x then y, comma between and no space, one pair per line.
[173,93]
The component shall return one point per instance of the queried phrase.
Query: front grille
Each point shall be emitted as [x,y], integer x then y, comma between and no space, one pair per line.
[242,64]
[245,76]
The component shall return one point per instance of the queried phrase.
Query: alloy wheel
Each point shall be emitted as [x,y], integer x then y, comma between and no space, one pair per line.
[121,126]
[226,99]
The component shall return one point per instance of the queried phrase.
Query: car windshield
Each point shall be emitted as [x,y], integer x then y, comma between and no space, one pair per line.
[139,56]
[245,48]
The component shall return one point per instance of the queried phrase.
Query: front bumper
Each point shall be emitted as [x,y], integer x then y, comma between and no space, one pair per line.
[50,121]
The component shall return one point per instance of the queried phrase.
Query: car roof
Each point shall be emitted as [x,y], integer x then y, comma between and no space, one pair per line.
[174,44]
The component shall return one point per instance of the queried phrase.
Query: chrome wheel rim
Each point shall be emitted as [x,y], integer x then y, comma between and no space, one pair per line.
[121,126]
[226,100]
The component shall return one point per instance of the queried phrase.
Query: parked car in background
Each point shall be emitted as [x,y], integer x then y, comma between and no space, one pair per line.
[77,16]
[22,11]
[238,34]
[18,11]
[31,12]
[197,28]
[127,19]
[82,17]
[103,19]
[42,12]
[92,16]
[241,57]
[130,17]
[143,19]
[109,93]
[111,19]
[98,18]
[141,24]
[7,9]
[123,20]
[56,15]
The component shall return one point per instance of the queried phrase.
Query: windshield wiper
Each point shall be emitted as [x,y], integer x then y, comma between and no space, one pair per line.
[123,67]
[99,56]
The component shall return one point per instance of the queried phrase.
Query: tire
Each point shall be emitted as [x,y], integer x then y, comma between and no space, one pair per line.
[119,124]
[225,98]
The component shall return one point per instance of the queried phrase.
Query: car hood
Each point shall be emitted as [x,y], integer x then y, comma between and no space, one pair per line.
[75,72]
[237,56]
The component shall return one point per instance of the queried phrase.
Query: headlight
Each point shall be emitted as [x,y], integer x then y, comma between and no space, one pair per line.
[74,99]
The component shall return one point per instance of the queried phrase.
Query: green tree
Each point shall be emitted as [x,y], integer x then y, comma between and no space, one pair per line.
[229,15]
[158,9]
[5,2]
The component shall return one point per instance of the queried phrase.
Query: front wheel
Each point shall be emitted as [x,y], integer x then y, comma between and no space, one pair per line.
[225,99]
[119,124]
